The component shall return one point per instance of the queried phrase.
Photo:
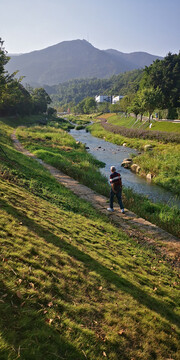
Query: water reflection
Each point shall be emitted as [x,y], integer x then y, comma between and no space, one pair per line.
[112,154]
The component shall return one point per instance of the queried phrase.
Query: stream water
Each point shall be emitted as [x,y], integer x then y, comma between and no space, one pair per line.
[112,154]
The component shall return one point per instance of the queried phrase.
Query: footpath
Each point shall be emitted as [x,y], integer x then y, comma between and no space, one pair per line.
[141,230]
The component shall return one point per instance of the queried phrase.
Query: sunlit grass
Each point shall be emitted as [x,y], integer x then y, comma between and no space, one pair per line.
[73,286]
[132,122]
[163,161]
[59,149]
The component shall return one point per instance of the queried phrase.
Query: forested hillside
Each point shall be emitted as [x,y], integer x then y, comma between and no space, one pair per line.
[76,90]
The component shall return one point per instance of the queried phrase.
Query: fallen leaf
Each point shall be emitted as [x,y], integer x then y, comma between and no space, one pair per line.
[121,332]
[100,288]
[104,354]
[49,321]
[50,304]
[19,295]
[3,296]
[31,285]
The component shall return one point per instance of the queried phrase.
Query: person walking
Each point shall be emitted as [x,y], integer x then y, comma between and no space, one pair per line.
[116,189]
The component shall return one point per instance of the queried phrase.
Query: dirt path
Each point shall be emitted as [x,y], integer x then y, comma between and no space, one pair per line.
[138,228]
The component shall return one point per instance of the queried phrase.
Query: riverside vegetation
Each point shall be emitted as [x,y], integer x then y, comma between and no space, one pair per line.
[73,286]
[163,161]
[59,149]
[164,165]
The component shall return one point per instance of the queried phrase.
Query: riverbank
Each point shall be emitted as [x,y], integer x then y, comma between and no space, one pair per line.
[136,227]
[162,161]
[59,149]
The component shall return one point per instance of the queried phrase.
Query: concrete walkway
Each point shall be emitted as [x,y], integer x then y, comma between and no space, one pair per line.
[140,229]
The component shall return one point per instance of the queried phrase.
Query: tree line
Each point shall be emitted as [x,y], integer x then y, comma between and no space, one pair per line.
[15,99]
[159,88]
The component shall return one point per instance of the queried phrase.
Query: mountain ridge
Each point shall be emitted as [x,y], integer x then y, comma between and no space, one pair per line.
[75,59]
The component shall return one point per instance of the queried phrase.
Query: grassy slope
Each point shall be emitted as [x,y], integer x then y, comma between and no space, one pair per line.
[59,149]
[72,285]
[165,126]
[132,122]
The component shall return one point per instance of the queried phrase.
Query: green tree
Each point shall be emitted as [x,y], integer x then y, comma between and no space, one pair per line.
[126,102]
[135,106]
[15,99]
[40,100]
[103,107]
[115,108]
[79,108]
[150,99]
[165,75]
[89,105]
[51,111]
[4,76]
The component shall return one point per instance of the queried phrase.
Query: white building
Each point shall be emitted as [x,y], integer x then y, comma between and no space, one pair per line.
[115,99]
[110,99]
[103,98]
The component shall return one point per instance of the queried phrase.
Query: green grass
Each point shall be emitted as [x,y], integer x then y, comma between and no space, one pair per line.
[132,122]
[59,149]
[73,286]
[165,126]
[164,164]
[80,119]
[163,161]
[128,122]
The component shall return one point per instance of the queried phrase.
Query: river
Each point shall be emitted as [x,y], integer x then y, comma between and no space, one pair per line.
[112,154]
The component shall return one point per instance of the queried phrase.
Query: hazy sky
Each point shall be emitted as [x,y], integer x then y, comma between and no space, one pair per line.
[126,25]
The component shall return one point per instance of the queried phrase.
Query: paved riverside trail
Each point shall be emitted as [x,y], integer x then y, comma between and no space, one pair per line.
[138,228]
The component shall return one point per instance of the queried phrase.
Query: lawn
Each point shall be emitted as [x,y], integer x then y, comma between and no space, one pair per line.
[132,122]
[165,126]
[73,286]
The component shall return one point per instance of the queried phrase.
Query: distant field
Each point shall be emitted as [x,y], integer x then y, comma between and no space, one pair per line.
[165,126]
[131,122]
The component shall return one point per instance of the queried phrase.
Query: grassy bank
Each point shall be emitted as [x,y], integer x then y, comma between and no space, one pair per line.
[59,149]
[163,161]
[131,122]
[73,286]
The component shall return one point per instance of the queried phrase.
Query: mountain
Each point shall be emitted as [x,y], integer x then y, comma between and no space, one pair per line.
[76,59]
[139,59]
